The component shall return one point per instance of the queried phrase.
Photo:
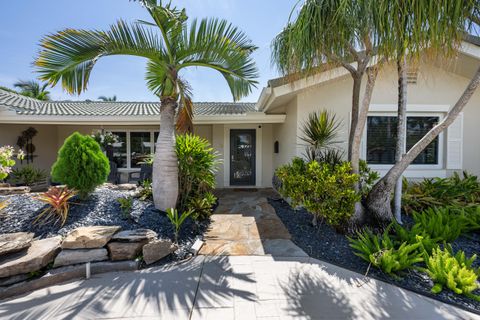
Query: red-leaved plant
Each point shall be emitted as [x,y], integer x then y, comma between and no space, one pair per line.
[58,204]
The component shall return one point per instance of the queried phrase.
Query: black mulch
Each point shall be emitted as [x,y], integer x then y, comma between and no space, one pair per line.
[100,209]
[325,244]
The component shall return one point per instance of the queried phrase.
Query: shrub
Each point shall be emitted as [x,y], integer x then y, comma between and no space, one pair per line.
[197,163]
[325,191]
[7,161]
[472,218]
[202,207]
[177,220]
[412,236]
[58,208]
[453,191]
[28,175]
[452,271]
[383,253]
[146,192]
[368,177]
[442,224]
[126,205]
[81,164]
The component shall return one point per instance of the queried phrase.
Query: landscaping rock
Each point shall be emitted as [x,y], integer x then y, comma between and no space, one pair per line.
[125,187]
[125,250]
[37,256]
[69,257]
[14,190]
[4,282]
[89,237]
[14,242]
[135,235]
[157,250]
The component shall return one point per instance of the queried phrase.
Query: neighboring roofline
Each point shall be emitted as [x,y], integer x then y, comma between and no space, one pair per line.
[281,86]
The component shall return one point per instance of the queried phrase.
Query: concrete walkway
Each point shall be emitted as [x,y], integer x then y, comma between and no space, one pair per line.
[245,223]
[230,287]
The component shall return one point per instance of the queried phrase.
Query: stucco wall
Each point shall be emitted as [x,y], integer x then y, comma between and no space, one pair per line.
[435,86]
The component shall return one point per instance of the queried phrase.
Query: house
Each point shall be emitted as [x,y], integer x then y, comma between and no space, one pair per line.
[254,139]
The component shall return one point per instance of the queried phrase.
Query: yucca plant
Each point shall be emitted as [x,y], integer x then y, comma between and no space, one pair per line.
[443,224]
[383,253]
[452,271]
[177,220]
[58,203]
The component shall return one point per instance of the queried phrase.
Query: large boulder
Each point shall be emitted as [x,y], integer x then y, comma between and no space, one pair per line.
[135,235]
[125,250]
[69,257]
[38,255]
[89,237]
[157,250]
[14,242]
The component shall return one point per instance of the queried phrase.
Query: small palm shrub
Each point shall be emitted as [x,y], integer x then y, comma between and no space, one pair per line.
[58,205]
[177,220]
[28,175]
[442,224]
[323,190]
[461,191]
[81,164]
[382,252]
[454,272]
[197,164]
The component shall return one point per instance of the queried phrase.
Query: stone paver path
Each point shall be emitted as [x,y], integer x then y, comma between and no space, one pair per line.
[245,224]
[227,288]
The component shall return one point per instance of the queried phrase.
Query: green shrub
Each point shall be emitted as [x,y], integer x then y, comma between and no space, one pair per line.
[453,191]
[472,219]
[383,252]
[452,271]
[413,235]
[197,164]
[441,224]
[81,164]
[202,207]
[146,192]
[325,191]
[28,175]
[177,220]
[368,177]
[126,205]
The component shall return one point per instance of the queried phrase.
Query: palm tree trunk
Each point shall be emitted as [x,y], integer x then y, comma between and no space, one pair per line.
[357,85]
[378,201]
[401,132]
[165,164]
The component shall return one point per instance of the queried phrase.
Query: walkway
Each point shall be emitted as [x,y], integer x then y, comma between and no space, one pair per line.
[230,287]
[245,224]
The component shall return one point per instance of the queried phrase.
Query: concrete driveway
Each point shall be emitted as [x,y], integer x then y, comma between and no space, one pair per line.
[230,287]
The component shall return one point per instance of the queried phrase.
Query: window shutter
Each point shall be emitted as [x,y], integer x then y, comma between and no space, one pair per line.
[455,144]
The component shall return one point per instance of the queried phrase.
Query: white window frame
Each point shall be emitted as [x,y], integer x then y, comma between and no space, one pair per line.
[129,149]
[383,168]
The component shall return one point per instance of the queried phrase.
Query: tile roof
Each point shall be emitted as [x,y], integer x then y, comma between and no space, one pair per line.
[29,106]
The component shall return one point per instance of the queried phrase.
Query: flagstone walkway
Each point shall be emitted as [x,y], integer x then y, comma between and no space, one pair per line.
[245,223]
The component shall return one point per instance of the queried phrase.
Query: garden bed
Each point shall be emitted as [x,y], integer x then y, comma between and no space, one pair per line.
[325,244]
[100,209]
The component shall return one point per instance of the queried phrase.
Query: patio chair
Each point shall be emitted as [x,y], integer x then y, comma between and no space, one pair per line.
[145,173]
[114,176]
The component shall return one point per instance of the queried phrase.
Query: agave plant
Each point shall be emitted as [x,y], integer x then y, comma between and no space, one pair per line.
[58,207]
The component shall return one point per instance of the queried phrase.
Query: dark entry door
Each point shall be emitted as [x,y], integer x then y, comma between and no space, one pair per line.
[242,157]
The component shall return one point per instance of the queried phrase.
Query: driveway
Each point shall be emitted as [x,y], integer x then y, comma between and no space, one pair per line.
[230,287]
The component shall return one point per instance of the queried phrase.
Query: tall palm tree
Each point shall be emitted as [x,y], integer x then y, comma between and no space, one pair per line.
[170,46]
[33,89]
[108,99]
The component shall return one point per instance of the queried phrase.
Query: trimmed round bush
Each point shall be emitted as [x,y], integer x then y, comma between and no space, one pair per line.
[81,164]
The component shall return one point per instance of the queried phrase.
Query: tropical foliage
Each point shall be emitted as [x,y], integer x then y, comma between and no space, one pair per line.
[108,99]
[443,224]
[81,164]
[126,205]
[33,89]
[461,191]
[171,45]
[177,220]
[58,205]
[28,175]
[197,164]
[324,190]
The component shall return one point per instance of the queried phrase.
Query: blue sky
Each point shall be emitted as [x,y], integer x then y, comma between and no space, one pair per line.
[23,23]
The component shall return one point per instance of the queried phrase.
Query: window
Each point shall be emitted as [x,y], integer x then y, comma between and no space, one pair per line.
[132,148]
[120,150]
[140,147]
[382,135]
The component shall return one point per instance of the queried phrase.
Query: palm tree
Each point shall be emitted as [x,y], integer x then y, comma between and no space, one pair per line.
[108,99]
[33,89]
[170,46]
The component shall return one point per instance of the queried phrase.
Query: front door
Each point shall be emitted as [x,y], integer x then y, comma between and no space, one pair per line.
[242,157]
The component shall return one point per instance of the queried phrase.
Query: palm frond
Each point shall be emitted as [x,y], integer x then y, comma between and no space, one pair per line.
[69,56]
[33,89]
[320,130]
[185,113]
[217,44]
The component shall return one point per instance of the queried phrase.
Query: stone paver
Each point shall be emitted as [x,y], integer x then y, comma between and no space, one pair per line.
[246,224]
[230,287]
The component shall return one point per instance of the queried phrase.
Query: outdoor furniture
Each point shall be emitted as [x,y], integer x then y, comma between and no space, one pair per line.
[114,176]
[145,173]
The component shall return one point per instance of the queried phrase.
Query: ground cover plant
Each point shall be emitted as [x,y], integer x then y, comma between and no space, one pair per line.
[81,164]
